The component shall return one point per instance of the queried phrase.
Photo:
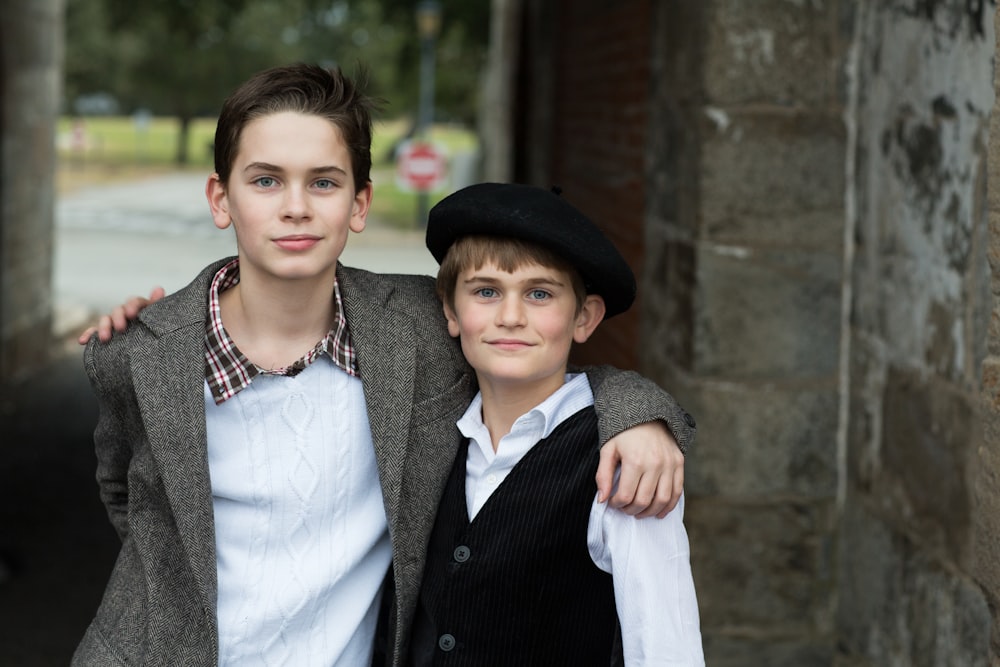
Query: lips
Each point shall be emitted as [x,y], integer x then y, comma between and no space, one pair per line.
[509,344]
[296,243]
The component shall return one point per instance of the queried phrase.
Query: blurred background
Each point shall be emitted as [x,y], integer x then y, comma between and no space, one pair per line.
[805,189]
[142,83]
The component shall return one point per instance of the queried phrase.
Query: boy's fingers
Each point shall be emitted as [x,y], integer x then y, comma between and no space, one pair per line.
[606,472]
[675,493]
[119,319]
[628,497]
[104,329]
[85,336]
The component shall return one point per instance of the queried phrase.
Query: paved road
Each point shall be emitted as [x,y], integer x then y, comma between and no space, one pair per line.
[56,545]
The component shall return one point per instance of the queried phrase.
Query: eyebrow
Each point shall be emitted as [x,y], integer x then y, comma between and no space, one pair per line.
[530,281]
[266,166]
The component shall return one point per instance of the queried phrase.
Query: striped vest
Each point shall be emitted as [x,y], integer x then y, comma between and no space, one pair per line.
[517,586]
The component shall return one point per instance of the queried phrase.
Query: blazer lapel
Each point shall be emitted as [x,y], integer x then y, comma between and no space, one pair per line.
[169,372]
[387,378]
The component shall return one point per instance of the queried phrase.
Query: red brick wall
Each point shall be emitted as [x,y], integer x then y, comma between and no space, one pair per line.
[601,58]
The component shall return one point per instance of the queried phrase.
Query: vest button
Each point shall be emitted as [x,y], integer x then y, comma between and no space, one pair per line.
[446,642]
[462,553]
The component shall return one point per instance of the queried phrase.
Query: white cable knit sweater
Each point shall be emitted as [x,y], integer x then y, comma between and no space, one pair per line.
[301,539]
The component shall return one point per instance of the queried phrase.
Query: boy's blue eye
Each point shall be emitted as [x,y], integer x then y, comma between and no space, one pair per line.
[539,294]
[265,182]
[486,292]
[325,184]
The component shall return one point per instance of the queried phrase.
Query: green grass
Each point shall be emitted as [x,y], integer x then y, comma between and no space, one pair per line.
[119,144]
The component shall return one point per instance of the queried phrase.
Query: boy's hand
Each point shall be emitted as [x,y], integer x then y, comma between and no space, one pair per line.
[120,317]
[652,471]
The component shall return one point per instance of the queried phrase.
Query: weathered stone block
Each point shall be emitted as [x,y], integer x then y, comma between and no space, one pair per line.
[756,651]
[667,305]
[758,440]
[772,52]
[929,431]
[765,314]
[899,605]
[773,179]
[762,564]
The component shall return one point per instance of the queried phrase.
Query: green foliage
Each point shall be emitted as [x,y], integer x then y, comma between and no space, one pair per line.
[181,57]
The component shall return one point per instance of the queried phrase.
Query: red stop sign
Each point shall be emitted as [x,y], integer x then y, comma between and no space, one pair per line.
[420,167]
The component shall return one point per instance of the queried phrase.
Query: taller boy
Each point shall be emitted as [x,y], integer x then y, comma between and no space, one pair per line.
[255,475]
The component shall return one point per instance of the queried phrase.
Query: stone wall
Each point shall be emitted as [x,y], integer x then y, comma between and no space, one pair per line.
[815,290]
[917,326]
[744,243]
[986,461]
[30,80]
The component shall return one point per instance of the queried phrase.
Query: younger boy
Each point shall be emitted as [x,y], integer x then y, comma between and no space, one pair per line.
[266,430]
[524,567]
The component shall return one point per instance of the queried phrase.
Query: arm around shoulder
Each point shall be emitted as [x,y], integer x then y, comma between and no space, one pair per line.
[624,399]
[103,364]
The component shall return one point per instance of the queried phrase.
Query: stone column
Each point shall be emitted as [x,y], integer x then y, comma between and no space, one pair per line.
[744,252]
[30,81]
[986,464]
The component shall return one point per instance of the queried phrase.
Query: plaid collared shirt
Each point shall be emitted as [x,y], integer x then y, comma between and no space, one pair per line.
[228,371]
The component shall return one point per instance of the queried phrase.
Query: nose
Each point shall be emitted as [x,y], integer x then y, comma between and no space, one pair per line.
[295,205]
[510,312]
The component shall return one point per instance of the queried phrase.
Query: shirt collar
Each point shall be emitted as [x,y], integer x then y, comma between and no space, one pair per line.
[228,371]
[539,422]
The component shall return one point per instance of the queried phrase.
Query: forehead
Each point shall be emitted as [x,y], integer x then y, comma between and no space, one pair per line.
[290,134]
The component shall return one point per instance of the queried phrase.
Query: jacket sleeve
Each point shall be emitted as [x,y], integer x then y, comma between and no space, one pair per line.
[111,436]
[624,399]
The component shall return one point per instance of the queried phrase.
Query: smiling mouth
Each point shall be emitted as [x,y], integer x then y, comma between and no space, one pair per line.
[296,243]
[506,344]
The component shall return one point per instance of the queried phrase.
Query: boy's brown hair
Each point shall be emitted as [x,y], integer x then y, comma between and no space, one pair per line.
[306,89]
[509,254]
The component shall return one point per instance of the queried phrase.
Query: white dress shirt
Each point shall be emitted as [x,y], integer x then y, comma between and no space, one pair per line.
[649,559]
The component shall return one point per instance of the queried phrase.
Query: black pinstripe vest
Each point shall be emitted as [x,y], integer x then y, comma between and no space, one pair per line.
[517,586]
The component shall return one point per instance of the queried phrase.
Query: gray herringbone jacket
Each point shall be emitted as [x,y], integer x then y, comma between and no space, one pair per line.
[159,606]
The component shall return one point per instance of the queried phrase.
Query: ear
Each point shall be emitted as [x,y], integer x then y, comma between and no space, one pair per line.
[449,314]
[362,204]
[590,316]
[218,201]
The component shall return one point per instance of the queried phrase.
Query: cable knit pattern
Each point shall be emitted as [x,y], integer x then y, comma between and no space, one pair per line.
[299,542]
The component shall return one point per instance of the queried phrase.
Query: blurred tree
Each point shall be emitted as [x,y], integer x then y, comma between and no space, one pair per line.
[180,63]
[461,55]
[181,57]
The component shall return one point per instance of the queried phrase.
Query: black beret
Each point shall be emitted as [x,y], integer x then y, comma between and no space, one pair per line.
[539,216]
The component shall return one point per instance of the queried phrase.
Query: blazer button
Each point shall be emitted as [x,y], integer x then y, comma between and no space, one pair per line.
[689,420]
[446,642]
[462,553]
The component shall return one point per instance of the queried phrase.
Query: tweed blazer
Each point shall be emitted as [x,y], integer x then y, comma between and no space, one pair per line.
[159,607]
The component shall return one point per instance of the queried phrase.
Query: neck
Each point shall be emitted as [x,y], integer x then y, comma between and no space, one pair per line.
[274,323]
[504,403]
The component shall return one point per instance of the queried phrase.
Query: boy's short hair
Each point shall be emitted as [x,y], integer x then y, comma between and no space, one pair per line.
[306,89]
[508,254]
[536,217]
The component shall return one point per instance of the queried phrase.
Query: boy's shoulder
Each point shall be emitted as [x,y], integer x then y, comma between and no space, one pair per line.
[359,284]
